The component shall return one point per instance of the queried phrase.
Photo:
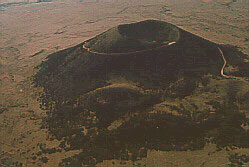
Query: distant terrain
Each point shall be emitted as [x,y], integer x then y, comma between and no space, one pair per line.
[117,101]
[18,3]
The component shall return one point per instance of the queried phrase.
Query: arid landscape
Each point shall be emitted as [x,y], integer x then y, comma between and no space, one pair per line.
[81,107]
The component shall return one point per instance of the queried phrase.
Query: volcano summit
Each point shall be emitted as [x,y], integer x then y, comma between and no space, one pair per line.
[134,37]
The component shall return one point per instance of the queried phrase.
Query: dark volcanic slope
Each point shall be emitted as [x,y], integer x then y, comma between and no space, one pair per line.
[75,71]
[118,106]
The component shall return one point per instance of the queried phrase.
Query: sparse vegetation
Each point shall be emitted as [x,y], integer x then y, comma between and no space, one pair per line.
[44,159]
[3,110]
[237,160]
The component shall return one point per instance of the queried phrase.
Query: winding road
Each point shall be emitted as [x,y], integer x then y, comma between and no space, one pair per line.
[224,65]
[141,51]
[125,53]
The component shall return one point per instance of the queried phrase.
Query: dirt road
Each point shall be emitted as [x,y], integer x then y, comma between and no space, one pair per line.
[125,53]
[224,65]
